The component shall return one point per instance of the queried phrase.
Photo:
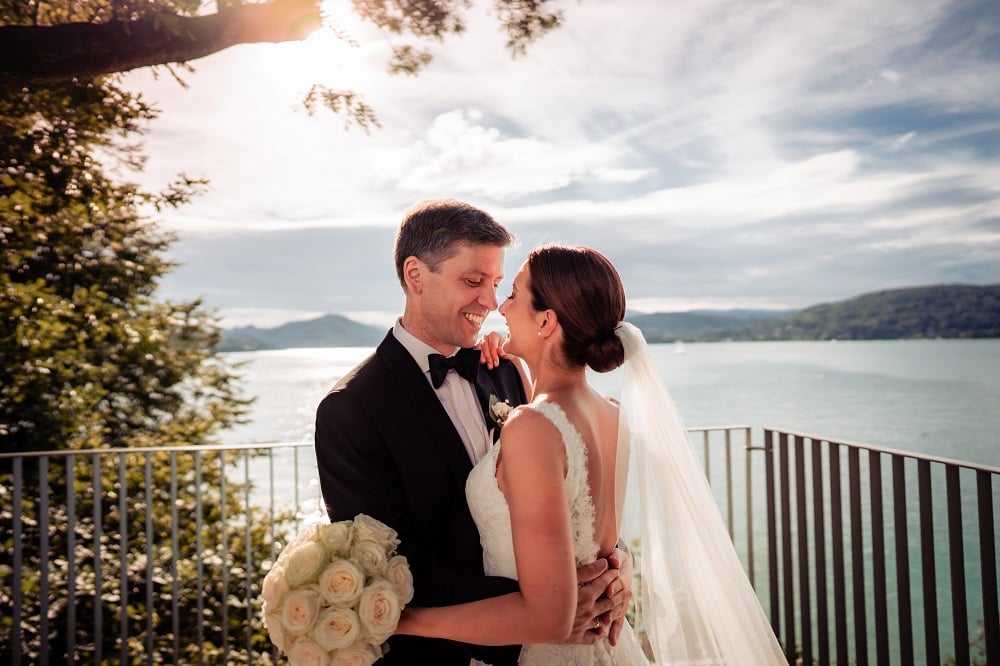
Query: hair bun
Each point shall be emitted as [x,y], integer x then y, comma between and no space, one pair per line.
[605,353]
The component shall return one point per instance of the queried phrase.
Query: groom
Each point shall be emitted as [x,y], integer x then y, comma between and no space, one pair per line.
[397,437]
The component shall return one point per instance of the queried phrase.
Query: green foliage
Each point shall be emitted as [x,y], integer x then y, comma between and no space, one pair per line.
[943,311]
[182,540]
[89,357]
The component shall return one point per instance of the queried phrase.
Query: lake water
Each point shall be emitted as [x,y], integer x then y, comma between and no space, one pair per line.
[938,397]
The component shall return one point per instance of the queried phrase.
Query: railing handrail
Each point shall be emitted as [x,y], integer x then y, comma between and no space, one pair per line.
[979,467]
[185,448]
[711,428]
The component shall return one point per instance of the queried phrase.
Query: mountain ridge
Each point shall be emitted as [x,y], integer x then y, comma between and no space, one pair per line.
[946,311]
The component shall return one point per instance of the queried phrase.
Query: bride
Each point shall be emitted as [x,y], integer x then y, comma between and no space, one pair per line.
[549,495]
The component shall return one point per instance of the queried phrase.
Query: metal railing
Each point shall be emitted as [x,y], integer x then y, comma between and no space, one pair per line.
[156,555]
[150,555]
[855,567]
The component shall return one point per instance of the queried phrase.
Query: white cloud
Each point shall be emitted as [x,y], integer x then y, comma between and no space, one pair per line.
[846,133]
[462,154]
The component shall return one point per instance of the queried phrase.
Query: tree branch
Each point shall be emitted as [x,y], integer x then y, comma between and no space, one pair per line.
[33,54]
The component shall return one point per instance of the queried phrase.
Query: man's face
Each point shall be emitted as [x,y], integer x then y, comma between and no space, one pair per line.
[452,303]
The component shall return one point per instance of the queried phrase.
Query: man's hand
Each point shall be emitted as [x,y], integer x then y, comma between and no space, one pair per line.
[593,601]
[622,561]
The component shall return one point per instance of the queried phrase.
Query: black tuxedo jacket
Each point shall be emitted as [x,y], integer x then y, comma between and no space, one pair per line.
[386,447]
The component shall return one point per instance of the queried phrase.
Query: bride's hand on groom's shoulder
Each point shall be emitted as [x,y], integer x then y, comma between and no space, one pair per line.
[491,348]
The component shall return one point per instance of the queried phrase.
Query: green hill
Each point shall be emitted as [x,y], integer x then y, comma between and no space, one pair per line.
[944,311]
[327,331]
[670,326]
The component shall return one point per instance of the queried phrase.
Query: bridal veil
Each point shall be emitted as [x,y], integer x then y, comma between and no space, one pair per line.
[696,602]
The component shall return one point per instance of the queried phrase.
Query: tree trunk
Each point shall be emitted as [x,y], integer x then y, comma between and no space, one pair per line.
[34,54]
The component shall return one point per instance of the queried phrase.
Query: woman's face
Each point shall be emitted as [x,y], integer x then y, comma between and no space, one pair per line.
[522,324]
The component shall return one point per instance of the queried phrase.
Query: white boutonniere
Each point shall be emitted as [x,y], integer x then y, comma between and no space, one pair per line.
[499,410]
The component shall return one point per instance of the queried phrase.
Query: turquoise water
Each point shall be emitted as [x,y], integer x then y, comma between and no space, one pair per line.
[930,396]
[938,397]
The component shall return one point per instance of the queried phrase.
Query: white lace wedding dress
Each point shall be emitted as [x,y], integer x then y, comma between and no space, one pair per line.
[492,516]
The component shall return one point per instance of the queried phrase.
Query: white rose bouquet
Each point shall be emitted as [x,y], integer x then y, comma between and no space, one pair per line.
[335,593]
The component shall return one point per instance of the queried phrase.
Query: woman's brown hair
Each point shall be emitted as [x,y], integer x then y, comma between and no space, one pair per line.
[587,295]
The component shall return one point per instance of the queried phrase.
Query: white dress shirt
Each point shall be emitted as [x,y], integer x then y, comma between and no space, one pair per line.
[457,396]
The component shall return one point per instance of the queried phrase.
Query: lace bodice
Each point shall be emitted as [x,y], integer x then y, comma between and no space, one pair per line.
[489,507]
[492,515]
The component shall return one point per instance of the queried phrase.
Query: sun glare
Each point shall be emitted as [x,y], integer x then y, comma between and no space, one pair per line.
[333,54]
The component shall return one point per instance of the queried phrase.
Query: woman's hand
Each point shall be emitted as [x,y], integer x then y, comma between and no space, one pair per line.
[620,559]
[491,346]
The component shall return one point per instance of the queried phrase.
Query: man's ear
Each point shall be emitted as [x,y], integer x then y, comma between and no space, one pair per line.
[413,272]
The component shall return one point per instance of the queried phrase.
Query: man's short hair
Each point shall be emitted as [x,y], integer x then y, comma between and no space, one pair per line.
[433,230]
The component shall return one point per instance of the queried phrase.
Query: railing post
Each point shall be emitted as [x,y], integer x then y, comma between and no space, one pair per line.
[747,472]
[199,549]
[175,615]
[787,576]
[16,516]
[819,547]
[988,562]
[801,512]
[857,558]
[772,535]
[959,609]
[123,558]
[43,544]
[902,560]
[927,563]
[729,482]
[878,558]
[70,558]
[98,539]
[149,559]
[837,532]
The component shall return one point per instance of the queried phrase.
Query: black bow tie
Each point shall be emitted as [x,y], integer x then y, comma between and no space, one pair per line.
[465,362]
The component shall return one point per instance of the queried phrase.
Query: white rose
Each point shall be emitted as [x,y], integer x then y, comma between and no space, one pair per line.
[276,630]
[398,573]
[305,562]
[336,537]
[369,529]
[298,613]
[370,556]
[356,655]
[379,610]
[341,582]
[305,652]
[305,535]
[500,410]
[337,628]
[274,588]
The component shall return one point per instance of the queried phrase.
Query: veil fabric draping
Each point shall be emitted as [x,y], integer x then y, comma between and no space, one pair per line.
[696,602]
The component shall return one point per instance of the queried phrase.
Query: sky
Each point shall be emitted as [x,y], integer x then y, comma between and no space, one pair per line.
[722,153]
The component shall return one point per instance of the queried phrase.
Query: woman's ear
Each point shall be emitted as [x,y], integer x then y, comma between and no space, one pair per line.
[547,323]
[413,270]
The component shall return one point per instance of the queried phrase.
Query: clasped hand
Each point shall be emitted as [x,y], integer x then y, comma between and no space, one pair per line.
[602,599]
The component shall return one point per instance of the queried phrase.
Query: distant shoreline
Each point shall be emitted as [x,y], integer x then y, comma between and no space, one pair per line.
[920,313]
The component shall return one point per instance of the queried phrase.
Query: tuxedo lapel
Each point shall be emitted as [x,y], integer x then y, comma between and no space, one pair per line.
[413,385]
[484,389]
